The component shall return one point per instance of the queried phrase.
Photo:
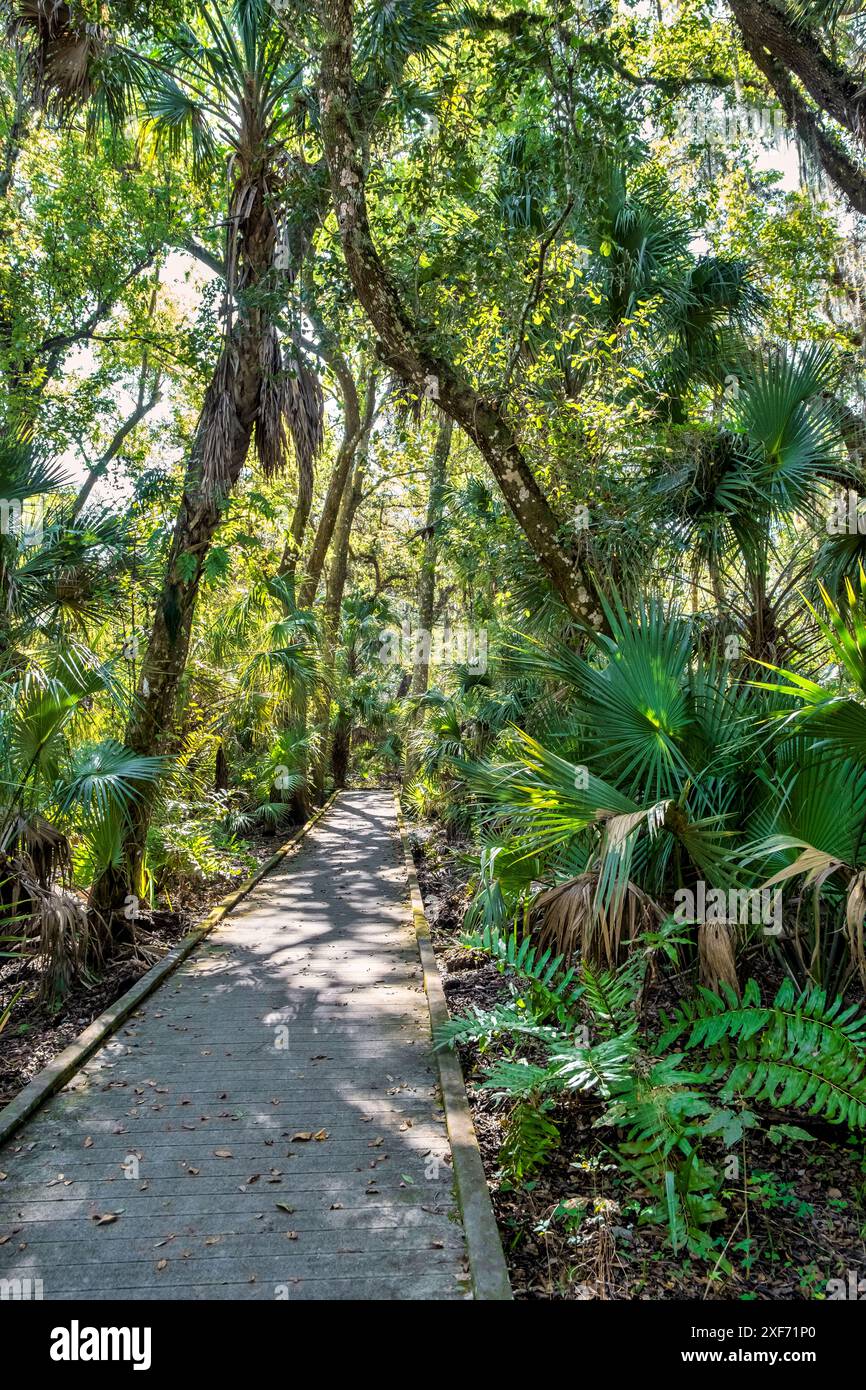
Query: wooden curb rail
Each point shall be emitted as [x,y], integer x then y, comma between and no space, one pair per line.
[487,1268]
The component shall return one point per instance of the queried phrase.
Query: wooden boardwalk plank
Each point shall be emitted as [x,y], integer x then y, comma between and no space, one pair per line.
[305,1014]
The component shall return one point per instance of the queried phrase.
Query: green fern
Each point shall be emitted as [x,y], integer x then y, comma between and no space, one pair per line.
[530,1136]
[483,1025]
[521,1079]
[610,995]
[799,1051]
[522,959]
[606,1068]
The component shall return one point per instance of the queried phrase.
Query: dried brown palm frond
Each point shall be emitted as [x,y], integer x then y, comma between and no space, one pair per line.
[216,429]
[572,920]
[64,48]
[716,956]
[271,417]
[64,945]
[35,850]
[305,410]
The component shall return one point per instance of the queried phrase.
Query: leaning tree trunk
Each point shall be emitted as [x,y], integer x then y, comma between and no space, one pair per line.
[794,62]
[232,409]
[403,345]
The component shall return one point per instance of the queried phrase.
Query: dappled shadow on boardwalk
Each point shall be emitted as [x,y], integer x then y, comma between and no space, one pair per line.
[267,1125]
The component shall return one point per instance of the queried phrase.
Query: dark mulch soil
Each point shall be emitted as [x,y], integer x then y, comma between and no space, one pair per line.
[36,1033]
[573,1231]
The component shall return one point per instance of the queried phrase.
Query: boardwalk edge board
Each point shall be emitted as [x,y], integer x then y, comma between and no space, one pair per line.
[487,1267]
[64,1066]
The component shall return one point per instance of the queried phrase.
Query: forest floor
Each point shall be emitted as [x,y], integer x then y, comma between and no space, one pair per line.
[37,1032]
[796,1214]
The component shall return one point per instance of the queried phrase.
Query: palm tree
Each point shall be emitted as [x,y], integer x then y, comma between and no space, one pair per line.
[816,823]
[629,789]
[735,505]
[222,87]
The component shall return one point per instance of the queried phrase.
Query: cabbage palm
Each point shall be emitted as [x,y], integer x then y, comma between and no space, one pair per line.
[224,87]
[772,464]
[643,776]
[54,788]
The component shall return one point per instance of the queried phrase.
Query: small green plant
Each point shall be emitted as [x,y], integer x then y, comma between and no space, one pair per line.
[799,1052]
[530,1137]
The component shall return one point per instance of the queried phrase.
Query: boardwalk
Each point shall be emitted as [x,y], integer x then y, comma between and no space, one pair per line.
[267,1124]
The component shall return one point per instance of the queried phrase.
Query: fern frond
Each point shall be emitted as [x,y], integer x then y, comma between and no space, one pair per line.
[610,995]
[519,1080]
[529,1137]
[799,1051]
[606,1068]
[523,959]
[483,1025]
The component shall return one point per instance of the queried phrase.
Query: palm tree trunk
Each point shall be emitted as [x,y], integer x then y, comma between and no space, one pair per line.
[335,745]
[427,572]
[150,728]
[219,452]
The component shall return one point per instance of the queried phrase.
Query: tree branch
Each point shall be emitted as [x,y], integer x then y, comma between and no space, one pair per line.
[403,347]
[838,165]
[836,90]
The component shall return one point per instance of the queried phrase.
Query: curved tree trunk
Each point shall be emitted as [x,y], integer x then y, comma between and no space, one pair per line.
[797,68]
[403,345]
